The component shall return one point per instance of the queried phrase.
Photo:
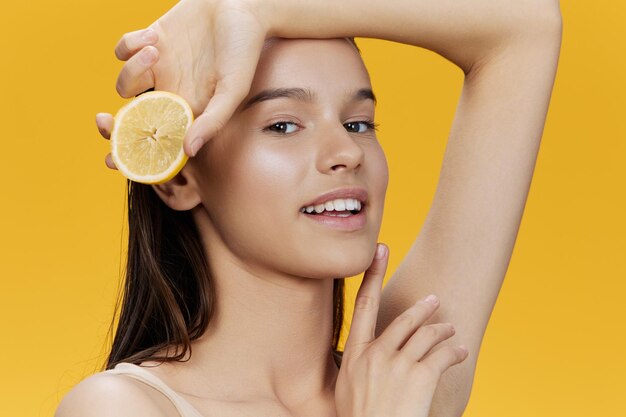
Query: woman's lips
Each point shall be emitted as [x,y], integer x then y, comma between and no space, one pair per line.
[349,223]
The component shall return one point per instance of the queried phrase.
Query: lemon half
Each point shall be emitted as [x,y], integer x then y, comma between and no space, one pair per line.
[147,137]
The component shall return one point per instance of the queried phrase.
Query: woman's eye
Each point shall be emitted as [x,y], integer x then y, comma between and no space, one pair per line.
[282,127]
[360,127]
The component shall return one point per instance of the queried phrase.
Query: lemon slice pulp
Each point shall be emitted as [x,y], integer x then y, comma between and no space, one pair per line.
[147,137]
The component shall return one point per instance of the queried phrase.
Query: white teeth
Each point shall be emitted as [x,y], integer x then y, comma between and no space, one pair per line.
[340,204]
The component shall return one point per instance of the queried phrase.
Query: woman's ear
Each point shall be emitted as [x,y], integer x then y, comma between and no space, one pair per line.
[179,193]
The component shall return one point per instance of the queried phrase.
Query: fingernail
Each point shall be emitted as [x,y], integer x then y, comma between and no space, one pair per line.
[196,144]
[380,251]
[149,36]
[432,298]
[147,56]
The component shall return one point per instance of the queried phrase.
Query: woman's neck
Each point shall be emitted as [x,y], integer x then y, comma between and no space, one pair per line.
[270,336]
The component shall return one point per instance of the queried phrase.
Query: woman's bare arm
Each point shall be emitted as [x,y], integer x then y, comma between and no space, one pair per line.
[509,53]
[463,250]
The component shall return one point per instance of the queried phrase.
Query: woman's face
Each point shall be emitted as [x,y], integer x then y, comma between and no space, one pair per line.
[282,151]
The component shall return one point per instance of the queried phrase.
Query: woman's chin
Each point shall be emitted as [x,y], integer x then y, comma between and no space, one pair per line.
[340,264]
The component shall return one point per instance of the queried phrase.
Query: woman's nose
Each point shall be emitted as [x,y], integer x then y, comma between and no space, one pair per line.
[339,150]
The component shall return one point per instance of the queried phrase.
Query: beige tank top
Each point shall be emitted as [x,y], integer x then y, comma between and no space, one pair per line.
[184,408]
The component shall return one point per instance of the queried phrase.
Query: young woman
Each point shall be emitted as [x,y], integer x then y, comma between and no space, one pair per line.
[234,279]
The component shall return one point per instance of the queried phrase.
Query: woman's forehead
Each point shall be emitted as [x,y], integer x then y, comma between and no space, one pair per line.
[312,63]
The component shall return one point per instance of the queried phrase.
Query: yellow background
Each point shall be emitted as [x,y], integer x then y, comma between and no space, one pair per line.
[555,345]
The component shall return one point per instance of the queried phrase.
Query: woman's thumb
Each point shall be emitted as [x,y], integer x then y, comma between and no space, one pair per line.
[208,124]
[217,113]
[363,327]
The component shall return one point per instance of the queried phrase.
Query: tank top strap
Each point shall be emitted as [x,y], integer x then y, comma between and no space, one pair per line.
[184,408]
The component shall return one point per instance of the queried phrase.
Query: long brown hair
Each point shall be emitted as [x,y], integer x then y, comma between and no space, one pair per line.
[168,296]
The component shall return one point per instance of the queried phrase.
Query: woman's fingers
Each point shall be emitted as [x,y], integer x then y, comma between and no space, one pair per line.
[363,327]
[444,357]
[406,324]
[229,93]
[136,75]
[210,122]
[104,121]
[108,160]
[425,338]
[132,42]
[237,55]
[413,339]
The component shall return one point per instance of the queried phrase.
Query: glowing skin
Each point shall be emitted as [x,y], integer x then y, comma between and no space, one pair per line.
[273,266]
[252,183]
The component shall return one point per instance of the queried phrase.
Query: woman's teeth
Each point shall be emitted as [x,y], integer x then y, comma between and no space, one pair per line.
[338,205]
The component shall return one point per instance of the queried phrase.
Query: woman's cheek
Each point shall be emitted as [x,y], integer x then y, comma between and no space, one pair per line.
[266,186]
[273,175]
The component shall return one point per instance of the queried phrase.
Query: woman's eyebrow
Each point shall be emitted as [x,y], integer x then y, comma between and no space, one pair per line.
[301,94]
[364,94]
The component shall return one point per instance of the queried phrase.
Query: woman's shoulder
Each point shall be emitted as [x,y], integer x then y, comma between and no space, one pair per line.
[106,394]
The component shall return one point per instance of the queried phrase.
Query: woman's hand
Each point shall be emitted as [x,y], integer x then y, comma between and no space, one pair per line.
[396,374]
[203,50]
